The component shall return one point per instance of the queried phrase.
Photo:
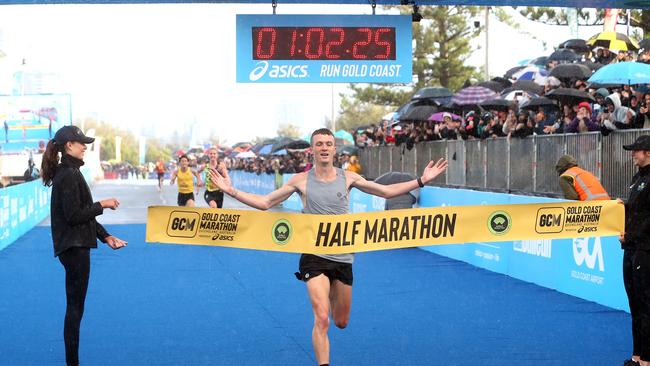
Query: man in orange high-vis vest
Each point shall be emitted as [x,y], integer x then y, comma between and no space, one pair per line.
[577,183]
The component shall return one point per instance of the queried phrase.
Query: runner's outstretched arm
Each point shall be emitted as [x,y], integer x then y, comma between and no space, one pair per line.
[392,190]
[260,202]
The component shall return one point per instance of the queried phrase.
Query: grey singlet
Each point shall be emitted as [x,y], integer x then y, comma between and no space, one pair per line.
[328,198]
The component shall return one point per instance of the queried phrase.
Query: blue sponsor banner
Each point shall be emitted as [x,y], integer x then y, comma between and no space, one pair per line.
[324,48]
[22,207]
[253,183]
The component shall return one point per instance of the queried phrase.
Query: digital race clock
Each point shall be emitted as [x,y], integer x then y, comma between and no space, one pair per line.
[324,48]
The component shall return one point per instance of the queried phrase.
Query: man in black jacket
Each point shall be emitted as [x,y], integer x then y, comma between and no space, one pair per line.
[636,258]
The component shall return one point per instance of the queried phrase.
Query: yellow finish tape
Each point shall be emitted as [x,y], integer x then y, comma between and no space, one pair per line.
[360,232]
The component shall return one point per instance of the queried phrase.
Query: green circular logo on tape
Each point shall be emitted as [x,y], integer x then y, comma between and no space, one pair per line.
[281,232]
[499,222]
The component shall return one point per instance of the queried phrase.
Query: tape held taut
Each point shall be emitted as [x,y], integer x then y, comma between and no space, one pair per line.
[360,232]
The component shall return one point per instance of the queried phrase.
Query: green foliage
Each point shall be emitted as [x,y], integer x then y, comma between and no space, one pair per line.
[355,112]
[288,130]
[129,145]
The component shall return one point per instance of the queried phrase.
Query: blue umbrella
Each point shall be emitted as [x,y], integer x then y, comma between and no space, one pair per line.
[345,135]
[265,150]
[280,152]
[627,73]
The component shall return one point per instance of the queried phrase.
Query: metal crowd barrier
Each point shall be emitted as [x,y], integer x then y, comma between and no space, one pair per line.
[525,166]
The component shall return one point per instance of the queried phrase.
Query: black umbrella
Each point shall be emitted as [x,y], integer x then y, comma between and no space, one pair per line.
[509,73]
[527,85]
[536,102]
[503,81]
[540,61]
[644,44]
[419,113]
[497,104]
[432,93]
[571,71]
[347,150]
[569,95]
[492,85]
[593,66]
[564,55]
[579,45]
[289,143]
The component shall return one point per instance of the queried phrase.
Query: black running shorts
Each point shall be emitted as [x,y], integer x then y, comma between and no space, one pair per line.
[216,196]
[184,197]
[311,266]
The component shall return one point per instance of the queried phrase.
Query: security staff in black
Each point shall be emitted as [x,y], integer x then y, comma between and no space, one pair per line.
[636,258]
[74,228]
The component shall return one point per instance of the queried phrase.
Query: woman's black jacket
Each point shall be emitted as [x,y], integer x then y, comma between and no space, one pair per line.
[73,211]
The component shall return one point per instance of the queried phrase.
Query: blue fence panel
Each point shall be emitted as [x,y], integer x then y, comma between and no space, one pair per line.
[22,207]
[253,183]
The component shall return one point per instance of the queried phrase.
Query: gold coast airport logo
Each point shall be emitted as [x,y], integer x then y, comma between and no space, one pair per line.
[499,222]
[183,224]
[281,232]
[549,220]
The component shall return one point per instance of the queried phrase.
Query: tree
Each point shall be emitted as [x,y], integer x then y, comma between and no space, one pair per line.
[288,130]
[355,112]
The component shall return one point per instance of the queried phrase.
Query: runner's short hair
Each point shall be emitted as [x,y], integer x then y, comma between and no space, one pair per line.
[320,131]
[183,156]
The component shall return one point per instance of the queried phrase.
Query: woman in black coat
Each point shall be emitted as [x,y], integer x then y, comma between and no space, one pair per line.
[74,228]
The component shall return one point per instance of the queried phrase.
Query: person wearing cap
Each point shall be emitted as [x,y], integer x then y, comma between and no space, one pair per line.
[577,183]
[583,121]
[636,251]
[493,128]
[75,229]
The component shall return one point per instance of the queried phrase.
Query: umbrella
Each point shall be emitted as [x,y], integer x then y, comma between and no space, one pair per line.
[347,150]
[390,116]
[495,86]
[265,150]
[579,45]
[571,71]
[531,72]
[540,61]
[438,117]
[280,152]
[536,102]
[473,95]
[613,41]
[564,55]
[645,44]
[509,73]
[419,113]
[503,81]
[496,104]
[526,85]
[570,96]
[245,155]
[593,66]
[627,73]
[432,93]
[345,135]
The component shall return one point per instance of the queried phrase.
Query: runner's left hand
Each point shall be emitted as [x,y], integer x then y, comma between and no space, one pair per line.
[433,170]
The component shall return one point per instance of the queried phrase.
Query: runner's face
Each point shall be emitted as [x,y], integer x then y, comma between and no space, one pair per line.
[323,148]
[213,156]
[184,163]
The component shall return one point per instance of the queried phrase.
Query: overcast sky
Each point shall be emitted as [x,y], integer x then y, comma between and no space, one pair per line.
[155,68]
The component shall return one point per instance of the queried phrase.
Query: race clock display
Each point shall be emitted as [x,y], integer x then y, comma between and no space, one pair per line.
[324,48]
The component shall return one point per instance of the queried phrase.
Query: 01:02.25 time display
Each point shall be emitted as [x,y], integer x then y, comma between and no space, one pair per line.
[324,43]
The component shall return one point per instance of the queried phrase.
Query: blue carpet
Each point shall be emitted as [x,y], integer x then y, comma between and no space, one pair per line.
[191,305]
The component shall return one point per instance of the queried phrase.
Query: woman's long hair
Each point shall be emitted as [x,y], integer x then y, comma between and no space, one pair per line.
[50,162]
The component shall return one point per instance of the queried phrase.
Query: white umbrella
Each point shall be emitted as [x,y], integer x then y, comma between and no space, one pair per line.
[245,155]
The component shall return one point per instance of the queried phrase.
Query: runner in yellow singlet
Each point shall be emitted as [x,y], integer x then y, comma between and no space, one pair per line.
[213,195]
[185,182]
